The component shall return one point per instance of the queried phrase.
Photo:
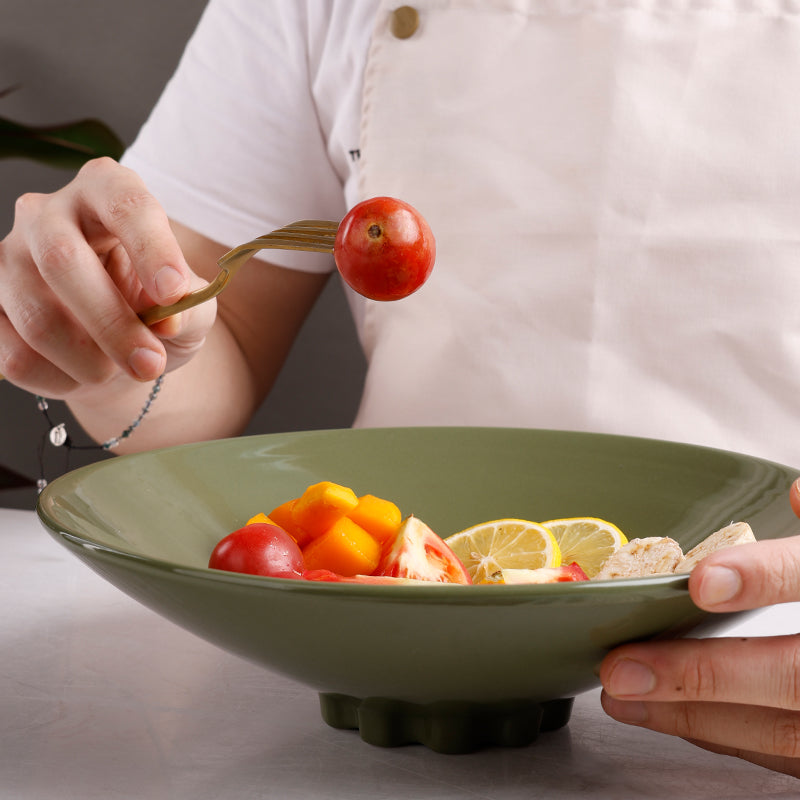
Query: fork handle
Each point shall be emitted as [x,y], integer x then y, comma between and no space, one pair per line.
[283,239]
[156,313]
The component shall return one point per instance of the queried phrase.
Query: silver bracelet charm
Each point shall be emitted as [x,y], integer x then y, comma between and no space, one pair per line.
[57,434]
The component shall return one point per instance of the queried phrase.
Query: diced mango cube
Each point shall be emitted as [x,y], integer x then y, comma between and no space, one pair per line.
[321,505]
[282,517]
[378,517]
[260,517]
[345,548]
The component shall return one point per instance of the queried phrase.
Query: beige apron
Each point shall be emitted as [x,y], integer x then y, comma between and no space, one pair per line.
[615,190]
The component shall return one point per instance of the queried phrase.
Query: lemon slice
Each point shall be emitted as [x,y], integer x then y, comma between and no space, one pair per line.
[587,540]
[487,548]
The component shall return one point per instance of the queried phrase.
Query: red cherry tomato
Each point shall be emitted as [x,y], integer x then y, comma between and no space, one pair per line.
[259,549]
[384,249]
[417,552]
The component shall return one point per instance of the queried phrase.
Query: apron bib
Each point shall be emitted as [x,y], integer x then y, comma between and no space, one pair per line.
[615,192]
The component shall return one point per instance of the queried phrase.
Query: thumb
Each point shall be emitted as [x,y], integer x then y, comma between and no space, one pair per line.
[748,576]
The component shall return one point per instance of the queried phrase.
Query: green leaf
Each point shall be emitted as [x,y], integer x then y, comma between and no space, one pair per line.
[69,145]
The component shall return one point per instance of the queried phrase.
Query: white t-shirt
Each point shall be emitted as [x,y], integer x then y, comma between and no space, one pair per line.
[621,257]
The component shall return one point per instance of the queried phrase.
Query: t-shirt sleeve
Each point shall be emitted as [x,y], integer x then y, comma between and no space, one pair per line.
[234,149]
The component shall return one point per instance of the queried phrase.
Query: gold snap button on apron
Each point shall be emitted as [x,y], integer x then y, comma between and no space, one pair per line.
[405,21]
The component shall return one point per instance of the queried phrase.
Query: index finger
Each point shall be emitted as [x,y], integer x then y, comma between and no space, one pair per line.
[117,205]
[758,671]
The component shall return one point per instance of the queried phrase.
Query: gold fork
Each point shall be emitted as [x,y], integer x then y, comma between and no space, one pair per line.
[312,235]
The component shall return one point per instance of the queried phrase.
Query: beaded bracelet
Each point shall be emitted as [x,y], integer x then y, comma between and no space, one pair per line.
[58,437]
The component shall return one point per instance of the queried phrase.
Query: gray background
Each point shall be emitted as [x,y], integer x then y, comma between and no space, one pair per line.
[110,59]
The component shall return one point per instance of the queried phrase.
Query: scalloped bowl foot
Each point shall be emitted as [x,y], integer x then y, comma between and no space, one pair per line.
[445,727]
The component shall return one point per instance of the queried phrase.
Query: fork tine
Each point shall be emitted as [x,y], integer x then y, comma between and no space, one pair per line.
[306,227]
[312,235]
[321,224]
[315,245]
[277,240]
[316,234]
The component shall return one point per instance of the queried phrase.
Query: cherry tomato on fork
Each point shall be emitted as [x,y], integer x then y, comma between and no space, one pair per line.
[384,249]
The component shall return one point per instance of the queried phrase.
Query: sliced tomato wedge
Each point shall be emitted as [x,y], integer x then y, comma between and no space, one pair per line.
[794,497]
[418,553]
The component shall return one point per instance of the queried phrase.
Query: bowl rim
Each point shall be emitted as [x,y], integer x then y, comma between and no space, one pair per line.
[670,584]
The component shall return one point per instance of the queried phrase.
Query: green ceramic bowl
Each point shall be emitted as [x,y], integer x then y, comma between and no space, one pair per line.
[453,667]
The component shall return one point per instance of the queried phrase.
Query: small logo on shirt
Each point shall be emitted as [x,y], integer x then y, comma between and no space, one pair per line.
[354,154]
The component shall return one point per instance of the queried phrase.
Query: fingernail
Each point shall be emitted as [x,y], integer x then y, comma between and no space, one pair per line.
[719,585]
[630,677]
[632,712]
[169,284]
[146,364]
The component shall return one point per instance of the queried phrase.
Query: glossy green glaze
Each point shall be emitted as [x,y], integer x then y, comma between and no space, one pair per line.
[148,523]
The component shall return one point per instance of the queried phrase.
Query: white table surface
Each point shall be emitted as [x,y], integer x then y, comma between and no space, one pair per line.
[102,698]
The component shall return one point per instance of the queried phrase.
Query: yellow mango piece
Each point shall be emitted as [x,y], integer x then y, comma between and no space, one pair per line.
[345,548]
[282,516]
[321,505]
[260,517]
[378,517]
